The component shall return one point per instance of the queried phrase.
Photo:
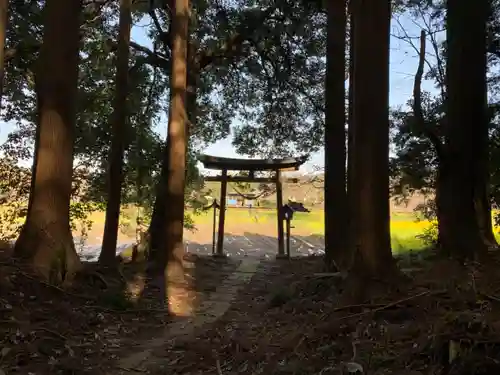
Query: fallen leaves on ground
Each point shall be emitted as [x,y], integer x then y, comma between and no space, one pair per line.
[290,321]
[47,330]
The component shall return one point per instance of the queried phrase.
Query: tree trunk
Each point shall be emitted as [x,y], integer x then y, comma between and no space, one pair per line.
[336,228]
[175,154]
[444,193]
[172,252]
[483,212]
[119,125]
[4,7]
[351,203]
[482,190]
[371,221]
[46,237]
[466,119]
[156,227]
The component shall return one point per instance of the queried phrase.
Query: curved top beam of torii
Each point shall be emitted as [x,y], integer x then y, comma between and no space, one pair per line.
[234,164]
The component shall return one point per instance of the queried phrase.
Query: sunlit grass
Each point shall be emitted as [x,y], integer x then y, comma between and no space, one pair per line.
[405,229]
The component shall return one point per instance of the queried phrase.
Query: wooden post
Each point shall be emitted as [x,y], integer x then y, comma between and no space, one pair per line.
[222,214]
[279,207]
[288,234]
[215,205]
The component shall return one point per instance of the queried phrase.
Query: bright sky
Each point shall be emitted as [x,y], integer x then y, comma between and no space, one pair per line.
[403,64]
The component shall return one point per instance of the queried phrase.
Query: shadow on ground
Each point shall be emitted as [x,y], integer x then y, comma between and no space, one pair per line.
[104,317]
[286,320]
[260,246]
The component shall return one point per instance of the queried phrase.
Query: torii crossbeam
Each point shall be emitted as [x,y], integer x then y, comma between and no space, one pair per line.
[251,165]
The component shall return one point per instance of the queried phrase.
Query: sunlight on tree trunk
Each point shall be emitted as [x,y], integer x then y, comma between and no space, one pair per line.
[119,130]
[172,251]
[336,228]
[46,237]
[156,227]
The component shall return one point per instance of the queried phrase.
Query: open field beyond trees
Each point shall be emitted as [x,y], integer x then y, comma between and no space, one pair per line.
[406,230]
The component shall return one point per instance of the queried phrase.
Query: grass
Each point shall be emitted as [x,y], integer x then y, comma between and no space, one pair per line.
[404,227]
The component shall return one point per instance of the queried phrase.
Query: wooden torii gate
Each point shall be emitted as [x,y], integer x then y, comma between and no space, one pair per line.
[251,166]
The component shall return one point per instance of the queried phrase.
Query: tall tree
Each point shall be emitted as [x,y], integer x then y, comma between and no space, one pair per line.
[172,251]
[482,192]
[466,124]
[4,7]
[119,131]
[46,237]
[336,228]
[351,208]
[422,162]
[370,122]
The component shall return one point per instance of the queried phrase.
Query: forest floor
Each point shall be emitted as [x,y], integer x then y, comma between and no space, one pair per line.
[251,314]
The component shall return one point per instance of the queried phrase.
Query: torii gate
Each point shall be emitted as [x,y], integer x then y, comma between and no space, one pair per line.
[252,166]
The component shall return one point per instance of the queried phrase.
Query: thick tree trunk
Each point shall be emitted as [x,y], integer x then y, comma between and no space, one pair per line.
[482,189]
[336,225]
[466,119]
[46,238]
[172,250]
[119,131]
[371,221]
[157,225]
[443,200]
[4,7]
[351,203]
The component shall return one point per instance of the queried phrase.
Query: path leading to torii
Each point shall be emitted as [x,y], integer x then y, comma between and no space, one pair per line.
[257,254]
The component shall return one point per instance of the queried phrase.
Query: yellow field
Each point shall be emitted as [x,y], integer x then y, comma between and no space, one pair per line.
[404,228]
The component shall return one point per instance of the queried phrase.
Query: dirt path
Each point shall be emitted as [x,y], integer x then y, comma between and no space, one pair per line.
[238,341]
[245,288]
[209,311]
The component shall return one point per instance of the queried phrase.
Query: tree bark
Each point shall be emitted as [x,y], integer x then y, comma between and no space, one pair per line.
[483,212]
[172,250]
[371,221]
[444,201]
[46,237]
[4,7]
[119,131]
[336,228]
[351,203]
[482,190]
[156,227]
[466,120]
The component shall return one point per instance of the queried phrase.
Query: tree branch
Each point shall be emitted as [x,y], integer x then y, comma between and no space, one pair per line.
[164,36]
[417,101]
[233,46]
